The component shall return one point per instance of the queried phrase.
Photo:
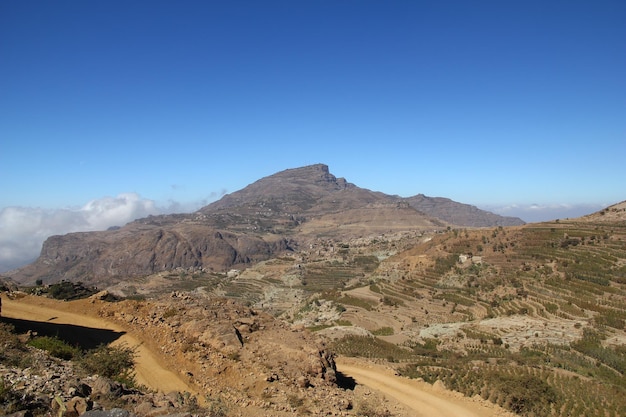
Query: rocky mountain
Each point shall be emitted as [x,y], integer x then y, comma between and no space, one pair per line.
[273,215]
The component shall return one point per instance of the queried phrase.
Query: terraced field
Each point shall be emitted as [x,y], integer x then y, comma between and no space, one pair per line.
[532,318]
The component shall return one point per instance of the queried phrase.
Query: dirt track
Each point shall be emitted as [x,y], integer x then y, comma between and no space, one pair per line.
[149,370]
[420,397]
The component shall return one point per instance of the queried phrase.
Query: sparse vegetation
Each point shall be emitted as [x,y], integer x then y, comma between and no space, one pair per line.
[15,354]
[547,274]
[319,327]
[370,347]
[9,399]
[56,347]
[343,299]
[6,393]
[112,362]
[383,331]
[375,288]
[170,312]
[63,290]
[368,408]
[215,407]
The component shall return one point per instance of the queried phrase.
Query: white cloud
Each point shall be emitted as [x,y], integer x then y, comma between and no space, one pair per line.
[24,229]
[108,211]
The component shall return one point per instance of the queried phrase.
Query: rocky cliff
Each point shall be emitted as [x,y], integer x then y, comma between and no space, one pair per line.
[140,249]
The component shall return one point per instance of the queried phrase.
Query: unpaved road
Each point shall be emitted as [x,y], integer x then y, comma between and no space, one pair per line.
[149,371]
[420,397]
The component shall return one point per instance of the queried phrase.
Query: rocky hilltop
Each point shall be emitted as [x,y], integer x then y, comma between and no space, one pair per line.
[273,215]
[614,213]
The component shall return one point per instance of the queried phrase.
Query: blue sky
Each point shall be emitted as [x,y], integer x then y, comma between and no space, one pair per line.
[156,106]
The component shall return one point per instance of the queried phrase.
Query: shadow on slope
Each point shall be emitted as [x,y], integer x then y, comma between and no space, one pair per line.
[83,337]
[345,382]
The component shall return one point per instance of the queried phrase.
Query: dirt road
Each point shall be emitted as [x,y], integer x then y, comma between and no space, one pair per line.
[420,397]
[149,371]
[74,319]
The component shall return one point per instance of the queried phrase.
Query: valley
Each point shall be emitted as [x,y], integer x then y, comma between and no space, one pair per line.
[520,319]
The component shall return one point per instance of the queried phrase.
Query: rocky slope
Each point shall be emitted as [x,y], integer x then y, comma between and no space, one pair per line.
[273,215]
[240,362]
[145,247]
[613,213]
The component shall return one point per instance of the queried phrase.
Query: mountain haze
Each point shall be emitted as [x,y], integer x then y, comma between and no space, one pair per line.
[275,214]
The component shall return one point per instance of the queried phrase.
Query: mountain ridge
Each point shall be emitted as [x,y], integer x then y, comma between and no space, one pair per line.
[459,213]
[274,214]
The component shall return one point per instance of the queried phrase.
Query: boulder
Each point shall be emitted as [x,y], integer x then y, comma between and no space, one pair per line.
[77,406]
[114,412]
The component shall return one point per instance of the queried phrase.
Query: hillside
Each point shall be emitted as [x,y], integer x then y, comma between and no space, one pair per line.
[531,318]
[196,357]
[207,343]
[275,215]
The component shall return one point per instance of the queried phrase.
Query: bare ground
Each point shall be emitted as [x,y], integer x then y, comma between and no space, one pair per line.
[149,369]
[416,398]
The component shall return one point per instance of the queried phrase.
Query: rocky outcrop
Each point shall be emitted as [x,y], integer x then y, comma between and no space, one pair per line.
[139,250]
[7,284]
[216,341]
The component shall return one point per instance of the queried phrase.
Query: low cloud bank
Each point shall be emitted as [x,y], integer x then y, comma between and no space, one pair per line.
[23,230]
[533,213]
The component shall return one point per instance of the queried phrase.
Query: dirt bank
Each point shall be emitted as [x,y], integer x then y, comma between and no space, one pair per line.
[149,369]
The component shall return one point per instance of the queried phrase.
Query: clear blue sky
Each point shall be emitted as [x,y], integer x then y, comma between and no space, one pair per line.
[491,103]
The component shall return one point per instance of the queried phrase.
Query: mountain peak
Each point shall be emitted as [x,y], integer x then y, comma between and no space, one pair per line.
[317,173]
[307,170]
[301,186]
[313,173]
